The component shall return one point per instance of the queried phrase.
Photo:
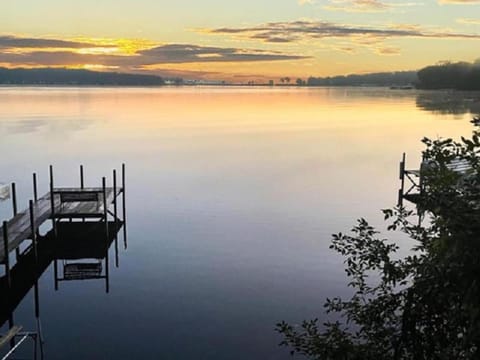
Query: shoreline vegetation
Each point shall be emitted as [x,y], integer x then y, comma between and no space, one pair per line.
[442,76]
[421,306]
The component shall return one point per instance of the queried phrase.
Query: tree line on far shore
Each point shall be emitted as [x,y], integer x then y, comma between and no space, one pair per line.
[444,75]
[51,76]
[448,75]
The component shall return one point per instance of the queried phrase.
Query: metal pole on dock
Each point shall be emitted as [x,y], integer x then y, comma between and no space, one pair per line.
[15,212]
[105,208]
[33,229]
[52,199]
[36,299]
[402,183]
[124,208]
[123,191]
[55,273]
[35,192]
[14,199]
[51,175]
[107,274]
[117,262]
[115,205]
[115,194]
[5,248]
[82,183]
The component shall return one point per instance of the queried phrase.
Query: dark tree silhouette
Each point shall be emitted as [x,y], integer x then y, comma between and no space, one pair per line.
[49,76]
[460,76]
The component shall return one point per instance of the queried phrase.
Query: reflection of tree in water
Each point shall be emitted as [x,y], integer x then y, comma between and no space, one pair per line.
[449,103]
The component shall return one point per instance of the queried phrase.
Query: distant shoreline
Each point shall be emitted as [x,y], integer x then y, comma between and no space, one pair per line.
[261,86]
[460,76]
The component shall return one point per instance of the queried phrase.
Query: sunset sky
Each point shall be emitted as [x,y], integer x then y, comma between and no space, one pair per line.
[239,40]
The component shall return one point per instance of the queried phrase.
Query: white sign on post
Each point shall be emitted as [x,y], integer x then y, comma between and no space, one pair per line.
[4,192]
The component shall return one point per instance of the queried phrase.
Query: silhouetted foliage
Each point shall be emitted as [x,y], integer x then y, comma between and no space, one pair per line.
[460,76]
[400,78]
[48,76]
[423,306]
[300,82]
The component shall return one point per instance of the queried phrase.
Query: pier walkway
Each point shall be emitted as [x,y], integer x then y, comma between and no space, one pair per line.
[59,203]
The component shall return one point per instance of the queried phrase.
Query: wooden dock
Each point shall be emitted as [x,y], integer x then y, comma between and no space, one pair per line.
[59,203]
[412,181]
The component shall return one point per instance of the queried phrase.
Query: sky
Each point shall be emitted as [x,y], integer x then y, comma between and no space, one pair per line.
[239,41]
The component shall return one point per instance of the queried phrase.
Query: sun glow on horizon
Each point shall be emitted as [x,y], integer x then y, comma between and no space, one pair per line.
[282,38]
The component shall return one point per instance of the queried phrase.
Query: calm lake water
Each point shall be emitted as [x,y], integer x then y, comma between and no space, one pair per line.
[232,197]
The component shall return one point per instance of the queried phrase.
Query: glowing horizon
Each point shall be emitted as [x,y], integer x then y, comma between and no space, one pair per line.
[215,40]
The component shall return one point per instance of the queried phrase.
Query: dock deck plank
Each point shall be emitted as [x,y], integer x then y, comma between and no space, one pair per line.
[19,226]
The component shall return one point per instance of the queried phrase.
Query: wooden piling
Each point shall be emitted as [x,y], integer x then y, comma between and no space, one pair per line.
[5,248]
[36,300]
[35,191]
[402,181]
[14,199]
[82,183]
[402,170]
[105,208]
[52,196]
[107,274]
[124,208]
[15,212]
[33,229]
[117,260]
[55,273]
[123,191]
[115,194]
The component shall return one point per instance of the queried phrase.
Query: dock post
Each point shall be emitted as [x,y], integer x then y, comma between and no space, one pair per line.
[115,194]
[107,273]
[35,192]
[36,299]
[15,212]
[33,229]
[124,208]
[402,181]
[55,273]
[14,199]
[82,183]
[55,259]
[123,191]
[105,208]
[117,262]
[5,248]
[52,199]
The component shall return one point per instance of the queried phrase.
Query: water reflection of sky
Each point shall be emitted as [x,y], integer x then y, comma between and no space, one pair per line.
[233,195]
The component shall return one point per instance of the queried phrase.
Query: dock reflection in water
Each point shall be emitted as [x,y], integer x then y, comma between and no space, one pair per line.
[78,250]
